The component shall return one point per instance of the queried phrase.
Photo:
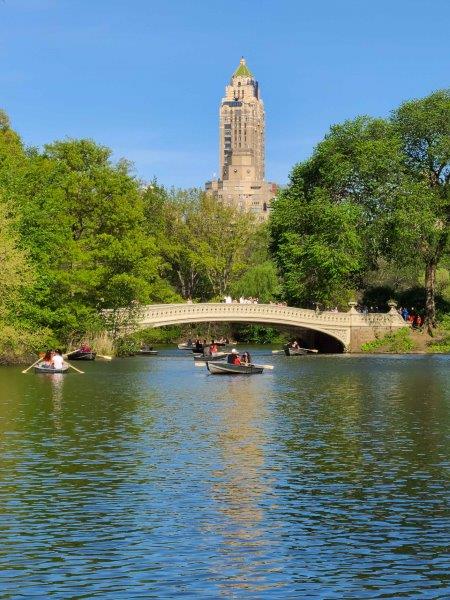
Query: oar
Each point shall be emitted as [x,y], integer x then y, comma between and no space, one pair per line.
[35,363]
[75,369]
[277,351]
[268,367]
[104,356]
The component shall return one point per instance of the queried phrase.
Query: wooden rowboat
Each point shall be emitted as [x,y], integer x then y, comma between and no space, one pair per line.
[40,368]
[223,368]
[186,347]
[209,358]
[298,351]
[148,352]
[81,355]
[195,348]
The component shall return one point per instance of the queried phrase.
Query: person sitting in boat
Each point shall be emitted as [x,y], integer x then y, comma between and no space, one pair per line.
[47,359]
[57,360]
[213,347]
[233,358]
[246,359]
[294,344]
[85,348]
[198,345]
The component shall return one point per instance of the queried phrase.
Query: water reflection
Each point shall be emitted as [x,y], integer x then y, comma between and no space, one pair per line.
[57,382]
[239,487]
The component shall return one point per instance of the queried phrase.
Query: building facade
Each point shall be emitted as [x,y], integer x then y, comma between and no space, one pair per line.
[242,148]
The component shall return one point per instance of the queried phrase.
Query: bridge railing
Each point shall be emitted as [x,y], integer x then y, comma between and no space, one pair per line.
[222,310]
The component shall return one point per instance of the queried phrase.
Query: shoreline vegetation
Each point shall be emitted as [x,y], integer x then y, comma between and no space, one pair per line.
[365,218]
[410,341]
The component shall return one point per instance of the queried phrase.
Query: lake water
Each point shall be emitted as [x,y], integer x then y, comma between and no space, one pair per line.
[327,477]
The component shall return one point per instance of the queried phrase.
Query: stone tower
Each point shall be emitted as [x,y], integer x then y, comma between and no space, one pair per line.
[241,153]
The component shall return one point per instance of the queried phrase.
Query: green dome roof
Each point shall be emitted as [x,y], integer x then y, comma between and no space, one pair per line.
[242,70]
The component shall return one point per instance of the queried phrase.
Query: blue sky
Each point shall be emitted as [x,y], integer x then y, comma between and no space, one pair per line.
[145,77]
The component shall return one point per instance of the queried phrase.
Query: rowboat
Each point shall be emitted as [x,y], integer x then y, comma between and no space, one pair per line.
[40,368]
[81,355]
[186,346]
[195,348]
[298,351]
[148,352]
[209,358]
[223,368]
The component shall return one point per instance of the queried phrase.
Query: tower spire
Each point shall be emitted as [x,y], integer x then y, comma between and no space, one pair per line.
[242,70]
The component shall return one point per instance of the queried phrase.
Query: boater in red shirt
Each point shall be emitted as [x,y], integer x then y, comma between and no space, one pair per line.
[233,358]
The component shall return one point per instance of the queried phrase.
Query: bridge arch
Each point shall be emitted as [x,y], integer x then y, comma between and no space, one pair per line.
[313,337]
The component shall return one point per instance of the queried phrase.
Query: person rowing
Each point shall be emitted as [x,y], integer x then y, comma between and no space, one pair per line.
[57,360]
[233,358]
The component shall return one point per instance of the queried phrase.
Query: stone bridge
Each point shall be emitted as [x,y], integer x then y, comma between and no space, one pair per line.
[326,330]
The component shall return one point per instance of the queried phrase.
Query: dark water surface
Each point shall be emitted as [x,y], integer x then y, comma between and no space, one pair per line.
[148,478]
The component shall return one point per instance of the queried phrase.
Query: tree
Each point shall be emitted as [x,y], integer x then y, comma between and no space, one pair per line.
[396,172]
[80,218]
[225,235]
[16,336]
[421,215]
[258,281]
[15,271]
[204,244]
[317,245]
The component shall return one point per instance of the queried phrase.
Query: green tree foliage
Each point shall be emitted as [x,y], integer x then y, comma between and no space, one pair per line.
[16,337]
[80,220]
[258,281]
[205,245]
[260,278]
[15,272]
[421,216]
[381,189]
[317,244]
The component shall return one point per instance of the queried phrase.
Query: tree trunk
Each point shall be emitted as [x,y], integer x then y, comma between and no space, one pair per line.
[430,288]
[182,284]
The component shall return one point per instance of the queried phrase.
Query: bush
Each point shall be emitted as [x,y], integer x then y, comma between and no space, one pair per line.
[397,342]
[443,344]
